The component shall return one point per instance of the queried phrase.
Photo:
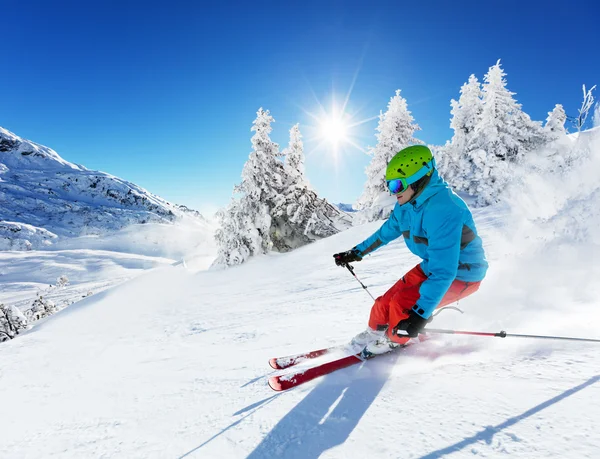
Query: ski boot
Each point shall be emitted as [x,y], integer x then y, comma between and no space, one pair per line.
[383,345]
[368,336]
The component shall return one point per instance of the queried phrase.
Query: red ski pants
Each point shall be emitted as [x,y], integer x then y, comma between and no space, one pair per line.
[396,303]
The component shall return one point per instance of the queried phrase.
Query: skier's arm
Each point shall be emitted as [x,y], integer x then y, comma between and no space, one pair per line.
[389,231]
[443,226]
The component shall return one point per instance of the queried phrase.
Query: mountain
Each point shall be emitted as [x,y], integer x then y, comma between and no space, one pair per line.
[345,207]
[44,197]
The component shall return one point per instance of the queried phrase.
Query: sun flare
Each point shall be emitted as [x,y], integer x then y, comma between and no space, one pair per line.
[334,130]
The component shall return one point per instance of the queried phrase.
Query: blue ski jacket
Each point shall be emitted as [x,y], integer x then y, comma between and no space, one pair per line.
[437,226]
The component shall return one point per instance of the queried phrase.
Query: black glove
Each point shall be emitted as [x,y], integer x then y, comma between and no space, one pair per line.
[341,259]
[412,325]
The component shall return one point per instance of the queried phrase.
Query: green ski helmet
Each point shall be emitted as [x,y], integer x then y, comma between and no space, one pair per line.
[408,166]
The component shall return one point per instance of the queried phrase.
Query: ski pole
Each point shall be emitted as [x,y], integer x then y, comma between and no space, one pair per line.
[351,269]
[503,334]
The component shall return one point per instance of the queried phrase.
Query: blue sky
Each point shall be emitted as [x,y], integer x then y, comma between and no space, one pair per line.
[164,93]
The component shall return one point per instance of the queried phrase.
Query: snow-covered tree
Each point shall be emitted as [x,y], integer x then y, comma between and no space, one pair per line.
[294,153]
[558,154]
[501,136]
[395,131]
[240,234]
[263,174]
[245,224]
[41,308]
[555,123]
[596,118]
[62,281]
[586,105]
[505,131]
[300,216]
[466,113]
[277,208]
[12,321]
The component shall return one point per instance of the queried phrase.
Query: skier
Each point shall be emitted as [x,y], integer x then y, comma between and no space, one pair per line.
[437,226]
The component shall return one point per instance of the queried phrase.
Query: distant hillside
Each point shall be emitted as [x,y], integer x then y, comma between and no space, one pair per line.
[345,207]
[43,197]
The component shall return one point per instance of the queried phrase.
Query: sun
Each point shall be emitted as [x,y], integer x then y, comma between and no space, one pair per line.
[334,130]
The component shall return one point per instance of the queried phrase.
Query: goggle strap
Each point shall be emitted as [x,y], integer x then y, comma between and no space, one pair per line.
[421,172]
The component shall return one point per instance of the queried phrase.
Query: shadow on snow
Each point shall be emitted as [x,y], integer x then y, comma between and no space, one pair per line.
[488,433]
[250,409]
[327,416]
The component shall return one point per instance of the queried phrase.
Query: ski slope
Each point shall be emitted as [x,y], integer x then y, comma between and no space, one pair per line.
[174,362]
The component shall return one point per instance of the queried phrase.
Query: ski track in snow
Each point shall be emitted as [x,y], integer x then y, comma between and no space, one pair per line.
[174,363]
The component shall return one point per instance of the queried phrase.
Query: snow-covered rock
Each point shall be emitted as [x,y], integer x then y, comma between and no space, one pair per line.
[20,236]
[44,196]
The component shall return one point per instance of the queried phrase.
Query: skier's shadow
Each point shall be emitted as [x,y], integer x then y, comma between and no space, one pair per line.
[487,434]
[327,416]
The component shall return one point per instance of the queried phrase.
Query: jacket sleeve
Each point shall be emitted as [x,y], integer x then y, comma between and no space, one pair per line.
[443,226]
[389,231]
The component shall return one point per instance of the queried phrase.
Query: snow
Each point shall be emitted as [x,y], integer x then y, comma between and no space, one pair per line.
[174,362]
[24,274]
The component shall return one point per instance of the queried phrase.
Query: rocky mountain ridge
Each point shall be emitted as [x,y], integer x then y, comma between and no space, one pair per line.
[44,197]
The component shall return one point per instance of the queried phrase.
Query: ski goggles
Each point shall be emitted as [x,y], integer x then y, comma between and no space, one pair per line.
[398,185]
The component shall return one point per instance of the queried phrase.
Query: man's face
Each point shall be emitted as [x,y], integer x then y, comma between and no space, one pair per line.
[405,196]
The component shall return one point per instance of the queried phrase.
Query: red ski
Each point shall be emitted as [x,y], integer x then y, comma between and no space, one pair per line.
[287,381]
[280,363]
[284,382]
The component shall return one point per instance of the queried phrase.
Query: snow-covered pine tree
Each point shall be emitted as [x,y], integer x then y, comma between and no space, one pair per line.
[502,137]
[466,112]
[12,321]
[558,154]
[294,154]
[555,123]
[395,131]
[62,281]
[506,130]
[237,236]
[451,159]
[245,224]
[300,216]
[277,209]
[41,307]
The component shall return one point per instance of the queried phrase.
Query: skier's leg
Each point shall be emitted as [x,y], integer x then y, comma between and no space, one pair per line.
[402,300]
[457,291]
[395,304]
[380,312]
[379,318]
